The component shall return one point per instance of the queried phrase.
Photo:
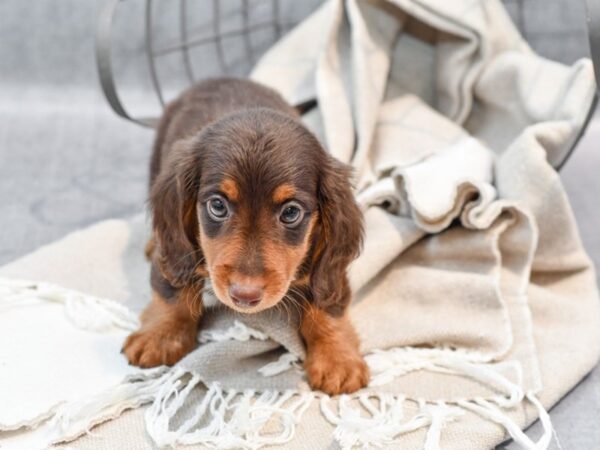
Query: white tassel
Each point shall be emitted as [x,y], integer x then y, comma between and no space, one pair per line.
[488,410]
[75,418]
[549,431]
[386,365]
[84,311]
[438,416]
[232,419]
[384,425]
[353,429]
[238,332]
[93,314]
[285,362]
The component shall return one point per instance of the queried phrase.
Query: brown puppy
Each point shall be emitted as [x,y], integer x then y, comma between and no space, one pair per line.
[244,196]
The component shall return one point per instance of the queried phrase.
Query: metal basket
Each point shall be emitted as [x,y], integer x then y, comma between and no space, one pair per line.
[190,36]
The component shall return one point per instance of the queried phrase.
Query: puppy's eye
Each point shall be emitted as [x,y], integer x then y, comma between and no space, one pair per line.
[291,214]
[217,208]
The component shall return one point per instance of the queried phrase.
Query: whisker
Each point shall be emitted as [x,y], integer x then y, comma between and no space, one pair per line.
[301,307]
[285,307]
[185,255]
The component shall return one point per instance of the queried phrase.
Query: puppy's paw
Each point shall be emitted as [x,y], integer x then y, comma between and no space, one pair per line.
[157,346]
[336,373]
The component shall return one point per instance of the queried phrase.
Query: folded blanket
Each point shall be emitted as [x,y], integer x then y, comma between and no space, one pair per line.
[474,299]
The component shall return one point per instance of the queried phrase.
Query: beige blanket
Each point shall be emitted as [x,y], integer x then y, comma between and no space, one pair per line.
[474,298]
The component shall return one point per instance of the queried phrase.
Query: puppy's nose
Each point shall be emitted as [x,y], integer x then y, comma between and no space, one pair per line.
[245,295]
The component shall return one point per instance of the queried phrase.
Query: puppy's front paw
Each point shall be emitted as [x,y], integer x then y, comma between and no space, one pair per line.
[156,346]
[336,373]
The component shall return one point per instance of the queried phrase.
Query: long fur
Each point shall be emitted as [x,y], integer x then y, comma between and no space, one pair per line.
[241,141]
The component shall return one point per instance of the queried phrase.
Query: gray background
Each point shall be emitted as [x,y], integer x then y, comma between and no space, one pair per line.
[67,161]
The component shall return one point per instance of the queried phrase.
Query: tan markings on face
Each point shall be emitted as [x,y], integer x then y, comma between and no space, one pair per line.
[283,192]
[230,189]
[280,261]
[221,255]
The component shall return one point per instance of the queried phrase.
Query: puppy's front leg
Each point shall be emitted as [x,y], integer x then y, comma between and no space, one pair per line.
[168,330]
[333,363]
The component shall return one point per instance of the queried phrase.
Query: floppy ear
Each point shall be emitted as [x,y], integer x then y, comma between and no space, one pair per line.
[173,198]
[338,240]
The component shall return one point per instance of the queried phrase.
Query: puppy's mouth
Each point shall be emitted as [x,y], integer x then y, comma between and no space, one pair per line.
[250,305]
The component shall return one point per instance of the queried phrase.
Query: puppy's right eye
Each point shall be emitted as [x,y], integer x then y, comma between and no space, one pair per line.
[217,208]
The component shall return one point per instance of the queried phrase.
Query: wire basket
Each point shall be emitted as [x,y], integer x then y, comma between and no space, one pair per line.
[187,40]
[227,38]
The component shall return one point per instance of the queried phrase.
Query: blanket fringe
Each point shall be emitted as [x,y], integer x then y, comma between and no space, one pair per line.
[76,418]
[284,363]
[246,419]
[84,311]
[224,419]
[385,424]
[387,365]
[489,409]
[238,332]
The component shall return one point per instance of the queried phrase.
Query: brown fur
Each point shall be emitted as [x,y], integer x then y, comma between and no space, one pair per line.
[333,362]
[149,249]
[241,143]
[168,331]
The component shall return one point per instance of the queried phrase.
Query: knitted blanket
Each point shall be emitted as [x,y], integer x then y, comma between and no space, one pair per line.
[474,299]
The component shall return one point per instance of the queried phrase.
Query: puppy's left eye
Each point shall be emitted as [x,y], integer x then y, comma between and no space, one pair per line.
[291,214]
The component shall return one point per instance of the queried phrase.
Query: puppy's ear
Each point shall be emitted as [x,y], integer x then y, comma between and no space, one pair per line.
[173,198]
[338,238]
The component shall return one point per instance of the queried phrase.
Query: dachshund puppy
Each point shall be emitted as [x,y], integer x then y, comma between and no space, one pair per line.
[246,202]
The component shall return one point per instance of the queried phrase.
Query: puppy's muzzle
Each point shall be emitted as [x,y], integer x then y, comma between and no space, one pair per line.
[245,295]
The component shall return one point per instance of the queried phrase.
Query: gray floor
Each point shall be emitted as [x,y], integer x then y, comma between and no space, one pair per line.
[66,161]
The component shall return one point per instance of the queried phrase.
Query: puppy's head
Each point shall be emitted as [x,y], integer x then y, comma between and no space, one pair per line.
[255,203]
